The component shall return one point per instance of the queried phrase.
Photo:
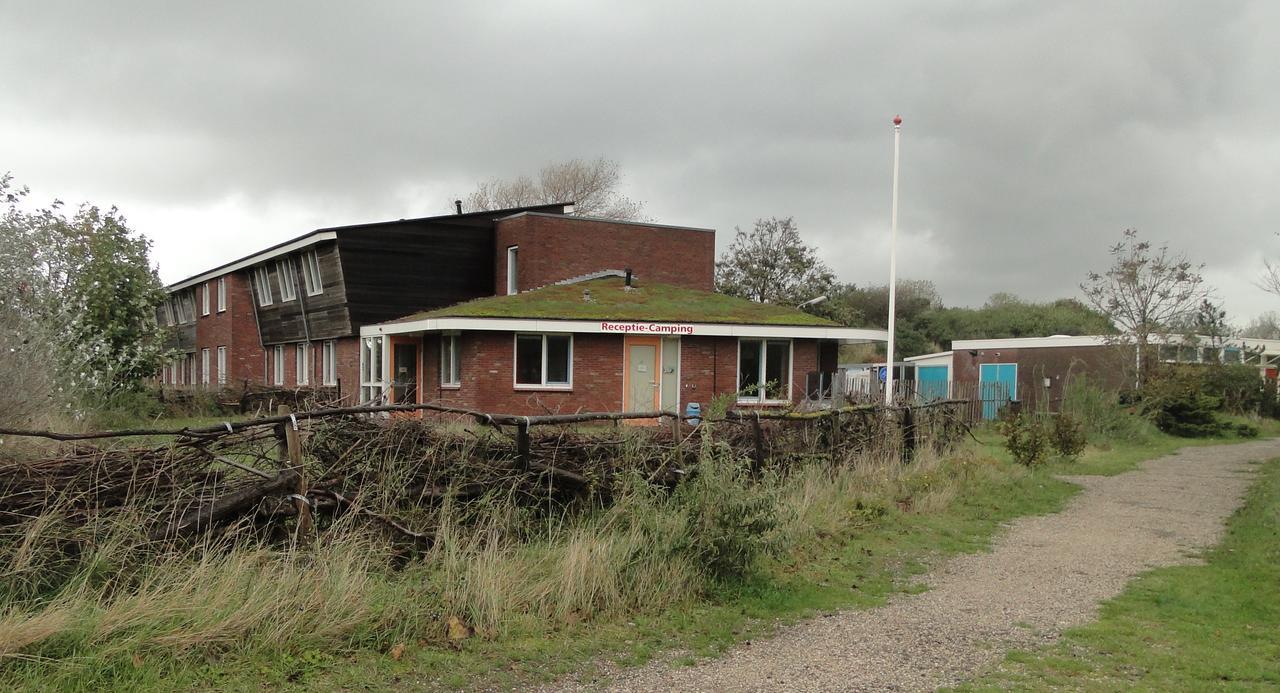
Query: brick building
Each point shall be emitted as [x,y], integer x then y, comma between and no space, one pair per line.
[607,341]
[290,315]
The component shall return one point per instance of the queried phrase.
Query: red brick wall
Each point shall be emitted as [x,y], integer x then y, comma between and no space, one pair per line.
[554,247]
[708,366]
[1102,365]
[234,328]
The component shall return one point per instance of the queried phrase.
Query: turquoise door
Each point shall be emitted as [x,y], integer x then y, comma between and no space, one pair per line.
[997,383]
[932,382]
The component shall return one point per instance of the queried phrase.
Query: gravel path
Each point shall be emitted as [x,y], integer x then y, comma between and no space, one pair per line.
[1045,574]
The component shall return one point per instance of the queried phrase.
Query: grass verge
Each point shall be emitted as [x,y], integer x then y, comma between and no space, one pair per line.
[1179,628]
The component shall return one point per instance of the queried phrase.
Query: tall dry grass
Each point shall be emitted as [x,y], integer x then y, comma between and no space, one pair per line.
[495,566]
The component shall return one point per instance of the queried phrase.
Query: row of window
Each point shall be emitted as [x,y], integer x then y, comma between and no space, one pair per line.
[287,279]
[544,361]
[187,370]
[179,309]
[302,364]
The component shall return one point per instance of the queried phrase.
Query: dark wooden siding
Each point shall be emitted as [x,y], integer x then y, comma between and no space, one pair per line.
[393,270]
[323,316]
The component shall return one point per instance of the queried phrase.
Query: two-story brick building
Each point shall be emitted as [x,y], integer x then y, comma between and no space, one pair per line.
[290,315]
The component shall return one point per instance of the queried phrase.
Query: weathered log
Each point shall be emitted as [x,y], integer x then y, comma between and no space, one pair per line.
[208,513]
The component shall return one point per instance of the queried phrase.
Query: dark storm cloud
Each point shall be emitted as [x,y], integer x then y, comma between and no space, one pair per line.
[1034,132]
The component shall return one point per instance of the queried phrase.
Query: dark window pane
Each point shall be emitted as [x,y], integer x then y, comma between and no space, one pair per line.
[529,360]
[749,367]
[558,360]
[777,369]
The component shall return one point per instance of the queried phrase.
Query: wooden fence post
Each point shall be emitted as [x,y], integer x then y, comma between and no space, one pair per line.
[292,449]
[908,434]
[522,444]
[757,461]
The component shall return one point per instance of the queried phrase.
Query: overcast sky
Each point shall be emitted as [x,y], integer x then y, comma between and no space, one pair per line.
[1033,133]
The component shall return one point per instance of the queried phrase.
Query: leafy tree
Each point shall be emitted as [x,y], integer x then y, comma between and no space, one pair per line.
[771,264]
[77,304]
[1143,293]
[1005,315]
[591,185]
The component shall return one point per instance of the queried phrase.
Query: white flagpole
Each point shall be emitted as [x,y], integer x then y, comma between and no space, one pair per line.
[893,265]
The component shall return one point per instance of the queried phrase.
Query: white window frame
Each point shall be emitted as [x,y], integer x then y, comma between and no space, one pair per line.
[204,300]
[262,285]
[373,360]
[450,362]
[287,278]
[222,365]
[222,294]
[302,362]
[513,261]
[168,314]
[543,385]
[204,366]
[329,366]
[277,365]
[759,398]
[311,276]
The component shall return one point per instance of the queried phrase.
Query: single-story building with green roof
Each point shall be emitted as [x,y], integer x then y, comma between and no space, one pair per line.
[602,342]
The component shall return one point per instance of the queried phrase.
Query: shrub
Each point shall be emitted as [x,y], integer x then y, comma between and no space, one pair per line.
[1025,438]
[1239,387]
[1177,404]
[1269,406]
[1245,430]
[1067,436]
[1101,413]
[729,517]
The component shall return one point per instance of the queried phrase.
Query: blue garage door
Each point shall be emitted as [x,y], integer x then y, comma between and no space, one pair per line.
[932,382]
[997,383]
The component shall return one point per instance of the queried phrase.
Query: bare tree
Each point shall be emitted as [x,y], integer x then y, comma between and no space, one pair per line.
[1145,293]
[1264,326]
[591,185]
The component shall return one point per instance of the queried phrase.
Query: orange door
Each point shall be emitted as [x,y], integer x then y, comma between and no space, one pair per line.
[641,375]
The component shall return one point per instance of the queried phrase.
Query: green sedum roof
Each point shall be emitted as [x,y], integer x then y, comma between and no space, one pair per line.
[610,300]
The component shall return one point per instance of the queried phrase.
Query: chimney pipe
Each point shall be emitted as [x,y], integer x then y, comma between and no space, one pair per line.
[628,271]
[458,204]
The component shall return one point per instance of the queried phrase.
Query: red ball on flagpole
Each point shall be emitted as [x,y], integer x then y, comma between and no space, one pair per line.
[897,120]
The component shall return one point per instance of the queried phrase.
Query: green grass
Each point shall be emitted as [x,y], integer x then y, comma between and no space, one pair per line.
[645,302]
[1191,627]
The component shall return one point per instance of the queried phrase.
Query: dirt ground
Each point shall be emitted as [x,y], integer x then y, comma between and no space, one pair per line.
[1045,574]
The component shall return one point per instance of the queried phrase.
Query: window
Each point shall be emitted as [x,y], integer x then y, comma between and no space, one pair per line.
[262,283]
[512,256]
[288,280]
[764,370]
[167,317]
[450,361]
[222,294]
[204,301]
[371,369]
[187,304]
[277,370]
[330,364]
[311,273]
[191,368]
[300,354]
[222,365]
[204,366]
[544,360]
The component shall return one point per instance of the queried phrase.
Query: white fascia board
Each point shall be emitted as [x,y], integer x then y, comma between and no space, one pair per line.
[847,335]
[1027,343]
[924,357]
[285,249]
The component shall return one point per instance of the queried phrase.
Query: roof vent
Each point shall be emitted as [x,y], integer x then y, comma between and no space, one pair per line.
[628,277]
[458,205]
